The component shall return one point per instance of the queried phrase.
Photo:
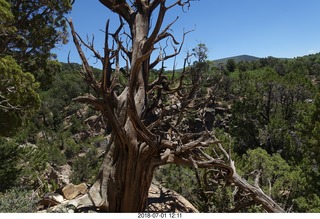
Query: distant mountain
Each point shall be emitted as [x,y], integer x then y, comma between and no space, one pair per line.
[237,59]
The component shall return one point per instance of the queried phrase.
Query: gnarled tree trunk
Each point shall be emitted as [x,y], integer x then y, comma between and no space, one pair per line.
[124,181]
[139,145]
[127,169]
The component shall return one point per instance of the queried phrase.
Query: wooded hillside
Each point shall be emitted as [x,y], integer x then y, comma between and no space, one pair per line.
[267,115]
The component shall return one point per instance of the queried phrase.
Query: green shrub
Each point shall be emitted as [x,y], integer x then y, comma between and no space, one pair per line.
[17,200]
[9,158]
[85,168]
[55,155]
[71,148]
[33,162]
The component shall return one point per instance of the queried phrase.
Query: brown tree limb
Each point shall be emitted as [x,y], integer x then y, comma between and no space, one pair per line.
[154,4]
[106,70]
[88,75]
[120,7]
[91,100]
[241,206]
[176,50]
[256,194]
[152,38]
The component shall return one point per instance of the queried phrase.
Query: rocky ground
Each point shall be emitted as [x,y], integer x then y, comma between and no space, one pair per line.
[160,200]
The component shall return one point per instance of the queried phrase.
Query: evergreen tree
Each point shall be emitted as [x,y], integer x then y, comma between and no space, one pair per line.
[38,27]
[18,97]
[231,65]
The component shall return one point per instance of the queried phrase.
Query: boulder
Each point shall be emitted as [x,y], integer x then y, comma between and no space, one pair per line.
[164,200]
[50,200]
[71,191]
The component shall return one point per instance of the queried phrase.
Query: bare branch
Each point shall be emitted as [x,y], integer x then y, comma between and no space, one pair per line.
[6,106]
[154,4]
[177,51]
[242,206]
[91,100]
[257,194]
[202,142]
[106,71]
[88,76]
[90,46]
[151,40]
[119,7]
[180,3]
[165,34]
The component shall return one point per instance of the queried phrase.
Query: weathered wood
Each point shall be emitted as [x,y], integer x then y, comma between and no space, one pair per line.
[137,147]
[258,196]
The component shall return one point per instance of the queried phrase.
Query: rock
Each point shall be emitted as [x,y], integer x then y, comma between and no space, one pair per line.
[62,208]
[160,200]
[59,176]
[64,174]
[164,200]
[56,197]
[71,191]
[50,200]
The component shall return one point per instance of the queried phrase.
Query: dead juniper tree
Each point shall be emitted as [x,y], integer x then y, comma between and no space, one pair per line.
[147,117]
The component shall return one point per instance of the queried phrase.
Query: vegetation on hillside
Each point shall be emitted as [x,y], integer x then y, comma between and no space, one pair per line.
[268,120]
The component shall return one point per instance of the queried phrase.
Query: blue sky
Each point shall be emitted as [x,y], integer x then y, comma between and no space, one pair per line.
[279,28]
